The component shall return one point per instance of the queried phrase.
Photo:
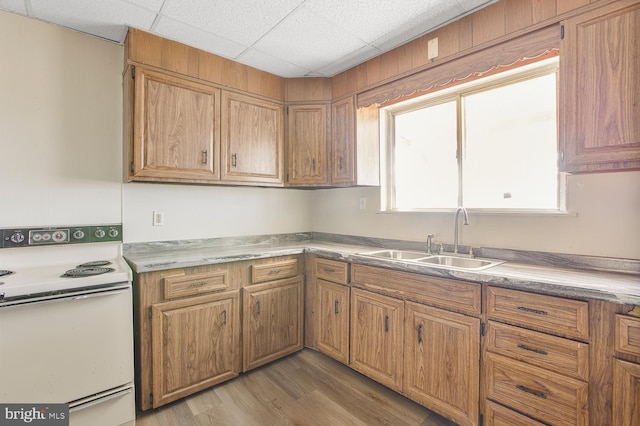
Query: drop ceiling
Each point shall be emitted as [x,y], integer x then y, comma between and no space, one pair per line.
[289,38]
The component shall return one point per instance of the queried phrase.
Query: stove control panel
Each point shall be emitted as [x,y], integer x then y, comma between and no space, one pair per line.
[30,237]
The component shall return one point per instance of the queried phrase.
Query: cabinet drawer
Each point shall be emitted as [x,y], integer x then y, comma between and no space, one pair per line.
[569,318]
[497,415]
[274,271]
[553,353]
[628,335]
[332,270]
[454,295]
[193,284]
[546,396]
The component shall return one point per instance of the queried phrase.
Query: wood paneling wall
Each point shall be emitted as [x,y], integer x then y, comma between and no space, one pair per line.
[501,21]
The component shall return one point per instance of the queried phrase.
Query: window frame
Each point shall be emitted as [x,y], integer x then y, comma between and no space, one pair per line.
[456,91]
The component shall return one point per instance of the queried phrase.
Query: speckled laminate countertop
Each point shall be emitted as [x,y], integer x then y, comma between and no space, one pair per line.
[561,275]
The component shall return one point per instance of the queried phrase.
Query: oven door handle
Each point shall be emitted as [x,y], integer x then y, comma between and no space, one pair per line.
[97,401]
[80,295]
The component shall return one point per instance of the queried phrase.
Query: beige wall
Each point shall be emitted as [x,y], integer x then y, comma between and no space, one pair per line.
[61,143]
[606,220]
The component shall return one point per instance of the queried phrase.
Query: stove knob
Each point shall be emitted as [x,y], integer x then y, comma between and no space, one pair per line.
[17,237]
[78,235]
[113,232]
[100,233]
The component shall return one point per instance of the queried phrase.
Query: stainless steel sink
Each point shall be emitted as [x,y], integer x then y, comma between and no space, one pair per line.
[437,261]
[397,254]
[459,262]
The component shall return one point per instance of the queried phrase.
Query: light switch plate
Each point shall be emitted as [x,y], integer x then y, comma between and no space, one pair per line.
[432,48]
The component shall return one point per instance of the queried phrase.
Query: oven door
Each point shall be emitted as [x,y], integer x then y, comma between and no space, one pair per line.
[64,348]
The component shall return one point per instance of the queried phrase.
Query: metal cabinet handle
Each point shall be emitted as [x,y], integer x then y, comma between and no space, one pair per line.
[419,333]
[313,164]
[335,307]
[386,323]
[234,160]
[530,349]
[532,391]
[257,307]
[531,310]
[340,163]
[205,156]
[224,317]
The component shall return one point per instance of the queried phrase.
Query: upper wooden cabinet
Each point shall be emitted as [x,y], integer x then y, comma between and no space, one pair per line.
[343,142]
[176,128]
[600,89]
[307,145]
[252,139]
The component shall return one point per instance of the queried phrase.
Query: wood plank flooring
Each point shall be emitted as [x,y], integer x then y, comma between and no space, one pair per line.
[303,389]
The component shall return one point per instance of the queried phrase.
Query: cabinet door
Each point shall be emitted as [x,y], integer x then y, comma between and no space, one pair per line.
[307,145]
[176,132]
[626,393]
[376,337]
[252,139]
[600,89]
[272,321]
[195,344]
[343,143]
[333,320]
[441,361]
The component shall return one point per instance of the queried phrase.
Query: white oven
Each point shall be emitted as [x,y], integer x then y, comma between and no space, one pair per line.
[68,338]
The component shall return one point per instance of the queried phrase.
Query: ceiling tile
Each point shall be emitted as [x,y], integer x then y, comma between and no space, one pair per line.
[154,5]
[308,40]
[106,18]
[265,62]
[170,28]
[349,61]
[243,21]
[15,6]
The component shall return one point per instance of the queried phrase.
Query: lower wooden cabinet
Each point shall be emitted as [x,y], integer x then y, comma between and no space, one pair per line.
[442,361]
[626,393]
[333,320]
[272,323]
[376,337]
[195,343]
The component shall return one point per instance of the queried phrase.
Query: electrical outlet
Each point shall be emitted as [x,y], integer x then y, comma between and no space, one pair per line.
[363,203]
[158,218]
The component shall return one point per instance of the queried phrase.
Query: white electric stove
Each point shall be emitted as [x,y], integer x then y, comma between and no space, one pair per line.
[66,322]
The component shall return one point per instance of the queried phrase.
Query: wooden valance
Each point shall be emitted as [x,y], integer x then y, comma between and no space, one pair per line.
[506,54]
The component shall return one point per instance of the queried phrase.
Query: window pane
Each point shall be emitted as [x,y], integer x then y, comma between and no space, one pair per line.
[425,167]
[510,146]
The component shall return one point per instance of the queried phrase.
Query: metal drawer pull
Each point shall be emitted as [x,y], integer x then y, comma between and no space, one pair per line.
[198,284]
[328,270]
[531,310]
[386,323]
[224,317]
[335,307]
[420,333]
[530,349]
[532,391]
[205,156]
[275,271]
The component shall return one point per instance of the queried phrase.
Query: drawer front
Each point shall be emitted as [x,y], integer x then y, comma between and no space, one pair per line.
[497,415]
[628,335]
[569,318]
[193,284]
[553,353]
[546,396]
[332,270]
[454,295]
[274,271]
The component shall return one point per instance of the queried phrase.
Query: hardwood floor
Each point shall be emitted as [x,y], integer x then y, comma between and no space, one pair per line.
[304,389]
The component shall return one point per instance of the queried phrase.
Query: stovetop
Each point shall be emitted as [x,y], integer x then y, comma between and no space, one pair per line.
[50,269]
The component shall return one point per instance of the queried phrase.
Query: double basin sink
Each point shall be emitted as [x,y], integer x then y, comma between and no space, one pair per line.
[438,261]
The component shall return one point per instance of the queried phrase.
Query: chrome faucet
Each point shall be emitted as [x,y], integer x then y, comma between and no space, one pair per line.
[455,227]
[429,239]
